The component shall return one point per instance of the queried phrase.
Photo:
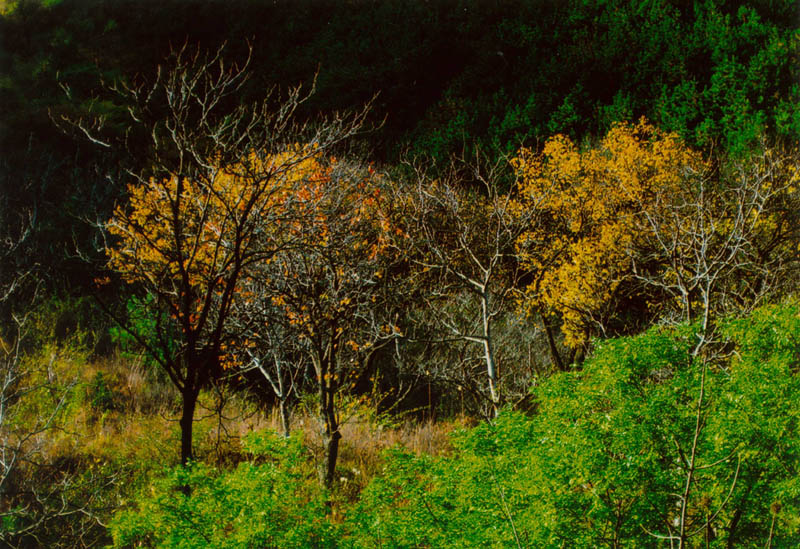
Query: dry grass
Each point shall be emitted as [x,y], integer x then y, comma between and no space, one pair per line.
[109,449]
[364,441]
[135,428]
[141,431]
[136,387]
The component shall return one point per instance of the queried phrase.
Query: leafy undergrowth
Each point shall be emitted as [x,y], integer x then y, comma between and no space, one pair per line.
[604,461]
[114,437]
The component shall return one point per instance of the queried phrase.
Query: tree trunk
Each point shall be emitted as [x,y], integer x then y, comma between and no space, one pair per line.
[330,435]
[491,370]
[488,349]
[284,407]
[691,463]
[737,516]
[331,457]
[555,356]
[187,418]
[327,412]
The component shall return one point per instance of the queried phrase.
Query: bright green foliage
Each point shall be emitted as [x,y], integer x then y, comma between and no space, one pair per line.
[763,417]
[450,502]
[268,501]
[600,465]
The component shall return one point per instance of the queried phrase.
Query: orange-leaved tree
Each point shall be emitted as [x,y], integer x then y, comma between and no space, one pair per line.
[642,220]
[187,243]
[335,290]
[220,178]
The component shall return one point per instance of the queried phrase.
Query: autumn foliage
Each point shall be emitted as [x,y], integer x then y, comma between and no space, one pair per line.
[641,216]
[593,199]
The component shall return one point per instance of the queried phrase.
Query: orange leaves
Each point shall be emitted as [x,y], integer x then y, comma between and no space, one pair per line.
[187,229]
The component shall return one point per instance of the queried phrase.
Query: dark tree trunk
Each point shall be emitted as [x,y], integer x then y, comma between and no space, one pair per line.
[331,456]
[187,418]
[555,356]
[331,434]
[737,516]
[327,412]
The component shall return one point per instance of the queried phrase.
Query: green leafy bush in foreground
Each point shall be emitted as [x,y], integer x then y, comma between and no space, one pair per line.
[267,502]
[605,460]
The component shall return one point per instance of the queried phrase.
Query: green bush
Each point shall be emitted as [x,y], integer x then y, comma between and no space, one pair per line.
[99,394]
[273,500]
[141,327]
[605,459]
[602,462]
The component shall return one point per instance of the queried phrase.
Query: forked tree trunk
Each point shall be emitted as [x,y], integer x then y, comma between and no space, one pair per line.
[327,413]
[279,388]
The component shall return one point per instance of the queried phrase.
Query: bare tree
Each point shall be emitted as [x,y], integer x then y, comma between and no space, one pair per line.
[464,231]
[13,438]
[682,527]
[335,287]
[719,243]
[267,344]
[34,495]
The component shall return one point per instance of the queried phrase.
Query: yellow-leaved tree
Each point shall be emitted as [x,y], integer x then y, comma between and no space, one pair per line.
[591,199]
[642,221]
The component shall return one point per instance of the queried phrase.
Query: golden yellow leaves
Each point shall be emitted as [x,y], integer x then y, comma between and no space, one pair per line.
[591,200]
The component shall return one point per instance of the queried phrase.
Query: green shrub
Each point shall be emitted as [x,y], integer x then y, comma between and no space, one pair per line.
[70,322]
[604,461]
[141,326]
[99,394]
[273,500]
